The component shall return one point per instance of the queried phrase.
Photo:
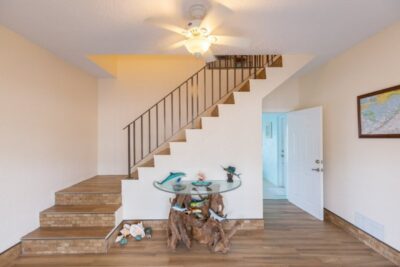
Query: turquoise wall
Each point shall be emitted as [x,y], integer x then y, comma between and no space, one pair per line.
[270,148]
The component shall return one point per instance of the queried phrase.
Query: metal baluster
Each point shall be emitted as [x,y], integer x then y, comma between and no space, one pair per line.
[249,66]
[187,102]
[165,122]
[172,114]
[129,151]
[255,67]
[212,86]
[179,91]
[227,80]
[197,95]
[219,83]
[134,143]
[205,90]
[149,132]
[234,75]
[141,136]
[157,124]
[191,93]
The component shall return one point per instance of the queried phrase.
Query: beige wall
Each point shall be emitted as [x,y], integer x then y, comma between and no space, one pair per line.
[285,98]
[360,175]
[139,83]
[47,132]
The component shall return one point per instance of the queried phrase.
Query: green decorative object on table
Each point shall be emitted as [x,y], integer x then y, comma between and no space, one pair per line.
[230,172]
[201,183]
[201,180]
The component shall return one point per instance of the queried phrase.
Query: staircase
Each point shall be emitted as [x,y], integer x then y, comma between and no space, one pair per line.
[215,125]
[82,221]
[182,109]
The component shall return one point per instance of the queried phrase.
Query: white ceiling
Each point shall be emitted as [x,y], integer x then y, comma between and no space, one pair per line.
[73,29]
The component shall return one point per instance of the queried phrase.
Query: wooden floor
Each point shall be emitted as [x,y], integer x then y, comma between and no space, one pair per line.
[291,238]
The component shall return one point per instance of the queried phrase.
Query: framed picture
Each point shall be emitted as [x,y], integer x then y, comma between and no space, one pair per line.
[268,129]
[379,114]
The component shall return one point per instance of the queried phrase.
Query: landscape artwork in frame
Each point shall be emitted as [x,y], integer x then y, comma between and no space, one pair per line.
[379,114]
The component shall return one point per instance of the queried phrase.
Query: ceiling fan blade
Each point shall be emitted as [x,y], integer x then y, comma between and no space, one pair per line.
[231,41]
[215,16]
[165,24]
[176,45]
[209,56]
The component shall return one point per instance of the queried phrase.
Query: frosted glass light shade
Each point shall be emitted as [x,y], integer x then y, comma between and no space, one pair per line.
[197,45]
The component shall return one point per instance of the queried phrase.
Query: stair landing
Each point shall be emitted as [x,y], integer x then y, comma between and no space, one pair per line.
[83,220]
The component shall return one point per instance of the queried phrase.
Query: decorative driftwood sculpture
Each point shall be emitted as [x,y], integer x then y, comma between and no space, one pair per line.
[205,225]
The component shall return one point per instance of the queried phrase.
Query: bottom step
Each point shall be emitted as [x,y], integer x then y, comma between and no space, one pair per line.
[79,240]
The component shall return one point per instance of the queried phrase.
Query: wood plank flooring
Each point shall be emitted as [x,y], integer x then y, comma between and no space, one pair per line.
[291,238]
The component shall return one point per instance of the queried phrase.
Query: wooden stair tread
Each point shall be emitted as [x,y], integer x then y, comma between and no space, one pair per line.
[58,233]
[148,163]
[166,151]
[97,184]
[82,209]
[135,175]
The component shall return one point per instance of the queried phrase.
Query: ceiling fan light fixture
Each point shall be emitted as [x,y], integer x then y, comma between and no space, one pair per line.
[198,45]
[212,39]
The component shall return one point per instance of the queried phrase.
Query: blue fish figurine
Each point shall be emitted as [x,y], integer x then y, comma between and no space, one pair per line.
[216,217]
[172,176]
[178,208]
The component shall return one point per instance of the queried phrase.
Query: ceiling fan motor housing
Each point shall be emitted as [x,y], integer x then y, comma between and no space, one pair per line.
[197,11]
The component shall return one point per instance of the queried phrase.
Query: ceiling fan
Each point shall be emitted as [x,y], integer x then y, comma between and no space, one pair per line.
[198,32]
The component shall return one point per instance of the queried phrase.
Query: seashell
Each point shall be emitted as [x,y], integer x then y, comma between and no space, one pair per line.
[125,232]
[118,239]
[137,229]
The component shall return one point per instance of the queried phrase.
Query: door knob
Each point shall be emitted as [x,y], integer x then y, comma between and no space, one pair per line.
[317,170]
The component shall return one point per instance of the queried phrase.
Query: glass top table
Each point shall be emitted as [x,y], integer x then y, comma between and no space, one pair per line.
[185,187]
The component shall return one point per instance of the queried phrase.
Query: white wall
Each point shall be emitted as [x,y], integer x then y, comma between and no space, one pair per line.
[361,175]
[140,82]
[47,132]
[285,98]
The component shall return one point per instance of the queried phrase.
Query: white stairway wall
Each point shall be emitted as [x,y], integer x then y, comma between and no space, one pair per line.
[233,138]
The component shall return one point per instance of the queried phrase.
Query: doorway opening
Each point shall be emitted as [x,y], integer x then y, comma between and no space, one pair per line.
[293,158]
[274,127]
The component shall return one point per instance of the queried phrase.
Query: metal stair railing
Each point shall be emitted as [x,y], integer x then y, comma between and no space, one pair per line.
[183,105]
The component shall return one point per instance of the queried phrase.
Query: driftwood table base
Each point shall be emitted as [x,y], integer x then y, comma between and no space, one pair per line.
[184,226]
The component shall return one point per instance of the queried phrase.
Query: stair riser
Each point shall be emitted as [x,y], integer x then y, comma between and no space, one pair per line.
[87,199]
[54,247]
[76,220]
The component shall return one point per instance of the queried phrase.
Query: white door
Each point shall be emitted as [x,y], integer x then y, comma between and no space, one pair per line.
[304,161]
[282,126]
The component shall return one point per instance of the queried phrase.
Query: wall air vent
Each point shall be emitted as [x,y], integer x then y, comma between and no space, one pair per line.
[370,226]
